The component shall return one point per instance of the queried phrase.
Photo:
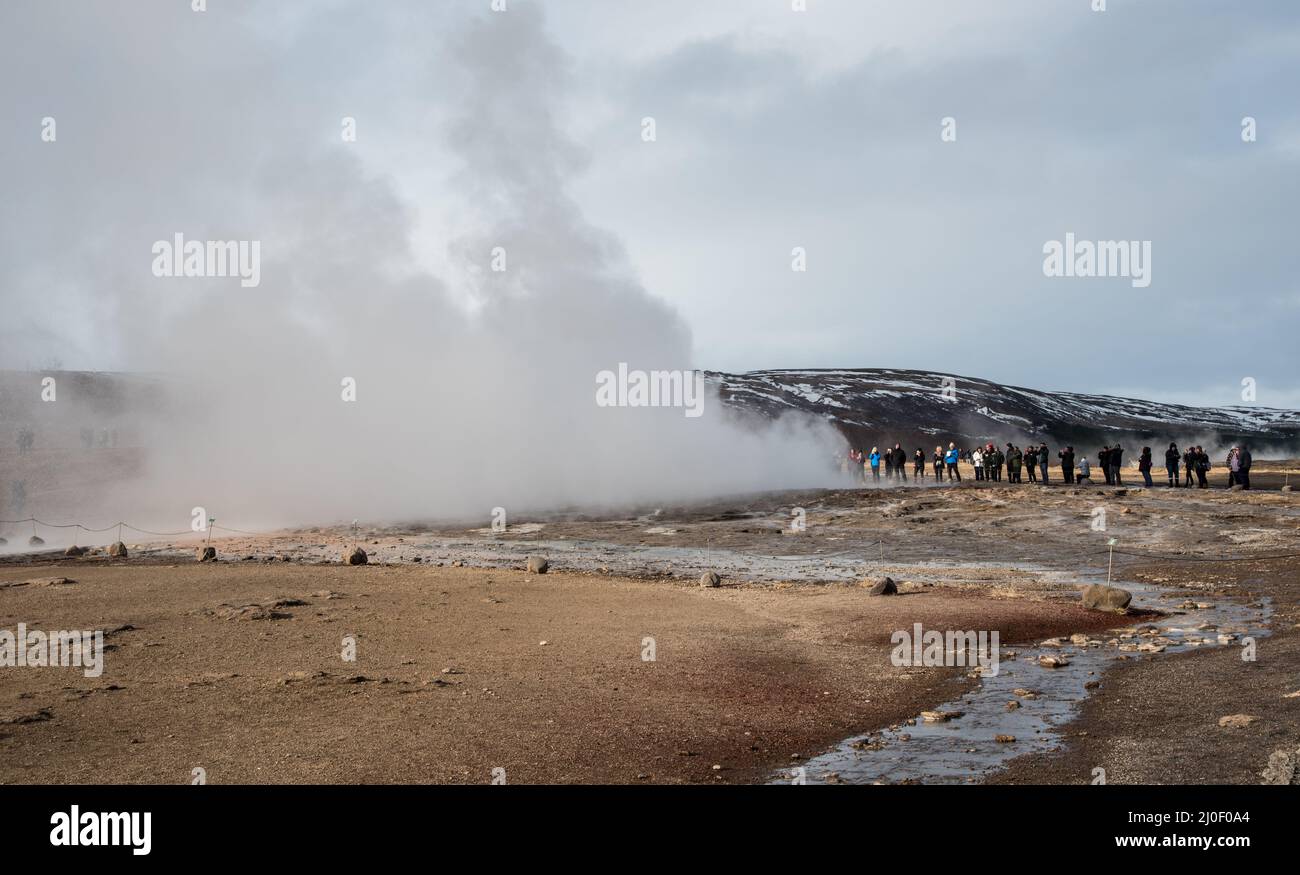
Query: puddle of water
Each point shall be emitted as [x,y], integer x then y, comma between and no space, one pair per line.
[964,749]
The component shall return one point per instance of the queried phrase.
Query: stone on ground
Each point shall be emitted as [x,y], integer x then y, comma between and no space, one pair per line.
[1099,597]
[884,587]
[1237,721]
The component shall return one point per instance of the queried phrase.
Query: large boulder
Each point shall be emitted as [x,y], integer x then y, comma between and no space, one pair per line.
[117,550]
[710,579]
[355,556]
[884,587]
[35,541]
[206,554]
[538,565]
[75,551]
[1099,597]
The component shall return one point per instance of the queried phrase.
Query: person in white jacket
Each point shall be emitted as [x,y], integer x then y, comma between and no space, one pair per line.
[977,459]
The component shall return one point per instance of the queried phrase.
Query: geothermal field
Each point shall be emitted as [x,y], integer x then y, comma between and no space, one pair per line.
[623,662]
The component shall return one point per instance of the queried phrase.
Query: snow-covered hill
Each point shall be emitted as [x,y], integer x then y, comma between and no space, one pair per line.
[878,406]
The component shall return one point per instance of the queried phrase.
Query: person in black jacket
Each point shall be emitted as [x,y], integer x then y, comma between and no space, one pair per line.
[1202,468]
[1103,462]
[1067,463]
[900,462]
[1144,465]
[1116,461]
[918,465]
[1189,465]
[1171,463]
[1243,467]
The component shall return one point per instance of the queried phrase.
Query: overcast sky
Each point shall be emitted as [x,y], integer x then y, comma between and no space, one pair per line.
[775,129]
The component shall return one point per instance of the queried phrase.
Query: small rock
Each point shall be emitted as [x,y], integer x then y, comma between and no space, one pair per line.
[710,578]
[940,716]
[51,581]
[1283,768]
[1053,661]
[117,550]
[1237,721]
[356,556]
[538,565]
[206,554]
[75,551]
[35,541]
[1004,739]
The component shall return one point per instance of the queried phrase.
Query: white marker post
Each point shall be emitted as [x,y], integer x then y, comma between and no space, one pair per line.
[1111,566]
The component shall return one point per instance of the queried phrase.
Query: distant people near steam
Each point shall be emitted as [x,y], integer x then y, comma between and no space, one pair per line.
[1014,464]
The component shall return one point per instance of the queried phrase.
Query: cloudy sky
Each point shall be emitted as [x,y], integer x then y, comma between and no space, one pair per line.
[775,129]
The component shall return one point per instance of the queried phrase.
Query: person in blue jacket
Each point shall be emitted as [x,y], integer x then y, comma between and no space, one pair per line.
[875,464]
[950,459]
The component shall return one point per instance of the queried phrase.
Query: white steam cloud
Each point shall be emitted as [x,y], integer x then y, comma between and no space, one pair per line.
[170,121]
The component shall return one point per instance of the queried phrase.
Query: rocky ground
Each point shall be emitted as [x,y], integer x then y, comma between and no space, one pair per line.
[466,663]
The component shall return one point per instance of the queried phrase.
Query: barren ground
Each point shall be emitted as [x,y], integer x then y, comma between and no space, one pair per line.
[236,666]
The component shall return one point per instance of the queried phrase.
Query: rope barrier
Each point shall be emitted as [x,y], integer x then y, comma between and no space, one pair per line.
[108,528]
[1168,558]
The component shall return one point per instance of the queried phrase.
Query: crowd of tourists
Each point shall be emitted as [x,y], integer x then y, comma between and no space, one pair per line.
[1013,464]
